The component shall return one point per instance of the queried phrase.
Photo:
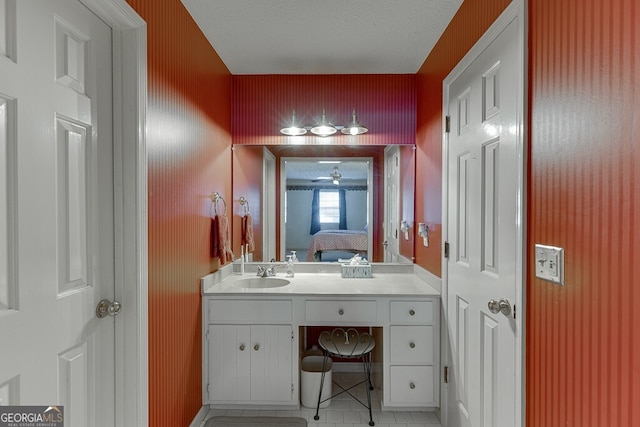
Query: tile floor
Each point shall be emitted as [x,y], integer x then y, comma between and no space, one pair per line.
[344,411]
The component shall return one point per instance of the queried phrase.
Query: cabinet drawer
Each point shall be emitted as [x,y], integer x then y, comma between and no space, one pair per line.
[226,311]
[341,311]
[411,344]
[411,385]
[412,312]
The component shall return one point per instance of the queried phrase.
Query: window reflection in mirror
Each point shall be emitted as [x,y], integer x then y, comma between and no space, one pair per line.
[281,206]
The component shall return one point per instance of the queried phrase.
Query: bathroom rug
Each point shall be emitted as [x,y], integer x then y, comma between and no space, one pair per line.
[256,422]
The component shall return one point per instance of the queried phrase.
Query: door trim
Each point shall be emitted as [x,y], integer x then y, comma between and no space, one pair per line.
[515,11]
[130,212]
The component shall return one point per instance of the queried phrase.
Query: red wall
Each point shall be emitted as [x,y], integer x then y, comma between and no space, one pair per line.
[583,339]
[247,182]
[384,103]
[189,157]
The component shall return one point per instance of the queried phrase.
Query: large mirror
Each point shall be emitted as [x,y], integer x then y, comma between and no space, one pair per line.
[324,202]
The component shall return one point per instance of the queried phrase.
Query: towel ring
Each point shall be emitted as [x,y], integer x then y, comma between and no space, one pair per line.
[215,196]
[245,204]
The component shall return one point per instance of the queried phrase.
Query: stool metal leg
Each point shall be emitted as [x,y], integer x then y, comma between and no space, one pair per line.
[324,369]
[366,365]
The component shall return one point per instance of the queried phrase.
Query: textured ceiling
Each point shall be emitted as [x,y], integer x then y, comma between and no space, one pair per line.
[322,37]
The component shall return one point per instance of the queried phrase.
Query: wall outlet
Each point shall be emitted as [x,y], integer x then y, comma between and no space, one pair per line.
[550,263]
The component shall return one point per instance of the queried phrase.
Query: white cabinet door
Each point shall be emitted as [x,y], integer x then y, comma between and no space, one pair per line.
[229,362]
[271,363]
[250,363]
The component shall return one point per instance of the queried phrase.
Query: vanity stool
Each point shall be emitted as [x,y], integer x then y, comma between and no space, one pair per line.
[350,344]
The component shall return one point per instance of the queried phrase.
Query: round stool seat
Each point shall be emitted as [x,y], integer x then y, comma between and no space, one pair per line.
[346,342]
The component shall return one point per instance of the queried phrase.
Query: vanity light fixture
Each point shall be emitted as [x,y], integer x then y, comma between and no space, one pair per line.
[354,127]
[294,129]
[324,128]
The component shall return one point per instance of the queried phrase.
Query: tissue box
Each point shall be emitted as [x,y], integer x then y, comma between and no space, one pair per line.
[355,271]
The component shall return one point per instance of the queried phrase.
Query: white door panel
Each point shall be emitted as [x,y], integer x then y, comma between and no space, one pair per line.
[392,204]
[482,234]
[56,169]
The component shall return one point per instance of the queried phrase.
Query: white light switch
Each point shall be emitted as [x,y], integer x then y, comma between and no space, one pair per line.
[550,263]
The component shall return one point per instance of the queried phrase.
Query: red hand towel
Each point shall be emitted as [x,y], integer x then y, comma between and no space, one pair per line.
[221,241]
[247,233]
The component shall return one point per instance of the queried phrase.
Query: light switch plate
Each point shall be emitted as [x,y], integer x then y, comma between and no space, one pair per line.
[550,263]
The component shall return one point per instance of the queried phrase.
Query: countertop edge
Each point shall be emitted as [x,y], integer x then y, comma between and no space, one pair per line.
[421,285]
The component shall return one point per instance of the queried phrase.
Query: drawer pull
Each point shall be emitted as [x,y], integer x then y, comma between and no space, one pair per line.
[412,344]
[241,347]
[412,312]
[412,385]
[341,312]
[256,347]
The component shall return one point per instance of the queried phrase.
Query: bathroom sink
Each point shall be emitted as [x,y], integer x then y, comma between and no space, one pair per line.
[261,282]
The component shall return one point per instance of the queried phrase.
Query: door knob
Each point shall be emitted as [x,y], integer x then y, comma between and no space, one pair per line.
[107,308]
[500,306]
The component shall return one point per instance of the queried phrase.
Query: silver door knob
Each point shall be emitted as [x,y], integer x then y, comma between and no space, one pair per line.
[107,308]
[385,244]
[500,306]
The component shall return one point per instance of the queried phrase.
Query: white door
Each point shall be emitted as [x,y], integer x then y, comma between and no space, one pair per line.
[483,179]
[268,206]
[391,241]
[56,194]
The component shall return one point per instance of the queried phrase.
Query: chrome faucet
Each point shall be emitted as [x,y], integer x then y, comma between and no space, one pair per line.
[264,271]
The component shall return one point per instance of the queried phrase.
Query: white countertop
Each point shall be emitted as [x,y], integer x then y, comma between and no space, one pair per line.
[324,284]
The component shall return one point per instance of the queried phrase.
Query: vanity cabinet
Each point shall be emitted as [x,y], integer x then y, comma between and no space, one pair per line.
[248,352]
[412,370]
[253,340]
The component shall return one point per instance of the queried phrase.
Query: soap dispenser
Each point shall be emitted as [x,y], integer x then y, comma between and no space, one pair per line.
[289,272]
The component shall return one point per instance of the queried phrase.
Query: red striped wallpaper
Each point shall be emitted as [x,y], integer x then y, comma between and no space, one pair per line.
[386,104]
[189,157]
[247,182]
[583,339]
